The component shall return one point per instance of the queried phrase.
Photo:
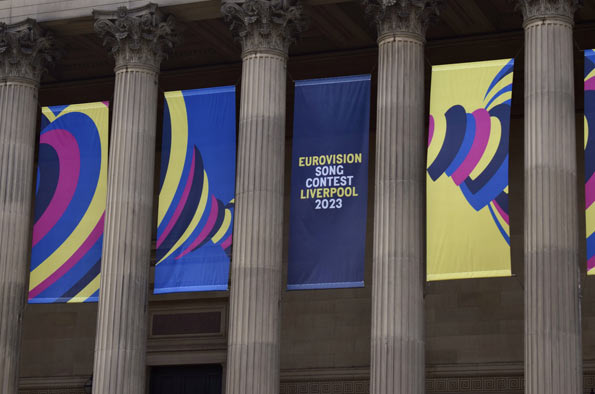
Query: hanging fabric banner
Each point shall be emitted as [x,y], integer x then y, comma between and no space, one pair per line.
[329,183]
[590,158]
[197,187]
[468,232]
[69,203]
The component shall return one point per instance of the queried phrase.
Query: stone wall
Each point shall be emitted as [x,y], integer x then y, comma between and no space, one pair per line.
[12,11]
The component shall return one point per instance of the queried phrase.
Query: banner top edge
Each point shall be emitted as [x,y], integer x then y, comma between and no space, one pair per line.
[482,63]
[62,107]
[201,91]
[331,80]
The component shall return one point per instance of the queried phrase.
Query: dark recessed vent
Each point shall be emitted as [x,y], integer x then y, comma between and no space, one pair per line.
[187,323]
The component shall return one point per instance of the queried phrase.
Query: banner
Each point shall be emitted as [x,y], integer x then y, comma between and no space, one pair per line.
[329,183]
[467,170]
[197,187]
[69,203]
[590,158]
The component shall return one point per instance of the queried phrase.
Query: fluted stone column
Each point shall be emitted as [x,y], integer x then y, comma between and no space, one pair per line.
[553,356]
[265,29]
[24,49]
[398,363]
[138,38]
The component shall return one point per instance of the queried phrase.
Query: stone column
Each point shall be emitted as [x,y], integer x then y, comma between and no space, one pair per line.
[265,29]
[24,49]
[553,356]
[397,362]
[138,38]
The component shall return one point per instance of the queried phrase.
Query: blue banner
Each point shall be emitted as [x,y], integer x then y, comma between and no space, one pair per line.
[329,183]
[70,197]
[197,187]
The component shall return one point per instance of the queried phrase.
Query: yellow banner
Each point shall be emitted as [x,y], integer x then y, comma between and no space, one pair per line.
[468,232]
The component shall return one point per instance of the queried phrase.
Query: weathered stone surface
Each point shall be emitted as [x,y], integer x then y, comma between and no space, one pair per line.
[141,36]
[401,16]
[397,346]
[548,8]
[266,28]
[25,50]
[264,25]
[397,285]
[121,341]
[553,355]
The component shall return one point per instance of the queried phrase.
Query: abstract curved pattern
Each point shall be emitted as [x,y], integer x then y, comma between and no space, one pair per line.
[590,157]
[197,186]
[467,181]
[69,203]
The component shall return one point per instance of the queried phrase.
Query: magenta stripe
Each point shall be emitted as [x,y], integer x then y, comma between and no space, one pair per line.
[590,191]
[227,243]
[106,103]
[591,263]
[64,268]
[67,149]
[431,131]
[590,84]
[206,229]
[501,211]
[480,142]
[181,204]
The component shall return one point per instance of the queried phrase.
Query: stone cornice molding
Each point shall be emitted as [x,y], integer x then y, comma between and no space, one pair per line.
[25,51]
[548,9]
[137,37]
[402,17]
[264,25]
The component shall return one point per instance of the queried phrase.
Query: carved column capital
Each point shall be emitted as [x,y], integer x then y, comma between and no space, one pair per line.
[541,9]
[264,25]
[137,37]
[25,50]
[403,17]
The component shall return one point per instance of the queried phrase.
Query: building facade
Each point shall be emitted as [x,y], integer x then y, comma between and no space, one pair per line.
[532,332]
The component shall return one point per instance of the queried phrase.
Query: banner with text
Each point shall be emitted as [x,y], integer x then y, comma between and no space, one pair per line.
[197,187]
[329,183]
[468,232]
[589,142]
[69,203]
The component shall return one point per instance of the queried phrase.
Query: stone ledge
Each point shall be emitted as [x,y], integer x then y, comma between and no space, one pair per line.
[354,380]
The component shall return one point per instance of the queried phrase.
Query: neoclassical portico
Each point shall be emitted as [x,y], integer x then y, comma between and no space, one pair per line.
[140,38]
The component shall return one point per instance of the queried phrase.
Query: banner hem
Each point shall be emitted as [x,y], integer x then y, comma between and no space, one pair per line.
[322,286]
[190,289]
[470,275]
[61,300]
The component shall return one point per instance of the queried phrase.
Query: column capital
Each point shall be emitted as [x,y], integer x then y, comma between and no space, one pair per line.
[137,37]
[25,50]
[402,17]
[542,9]
[264,25]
